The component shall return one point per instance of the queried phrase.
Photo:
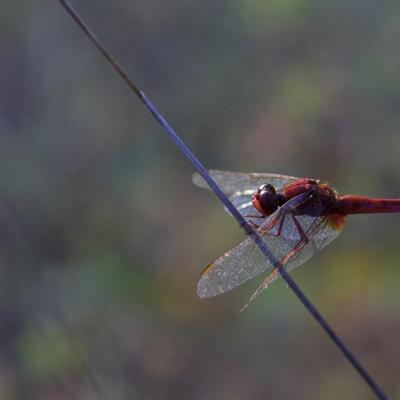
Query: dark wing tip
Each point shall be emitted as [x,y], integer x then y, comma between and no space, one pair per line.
[203,287]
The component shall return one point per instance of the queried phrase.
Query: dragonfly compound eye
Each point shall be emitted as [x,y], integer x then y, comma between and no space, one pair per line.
[267,187]
[266,200]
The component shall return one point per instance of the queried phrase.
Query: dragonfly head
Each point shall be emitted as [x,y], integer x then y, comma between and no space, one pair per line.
[266,200]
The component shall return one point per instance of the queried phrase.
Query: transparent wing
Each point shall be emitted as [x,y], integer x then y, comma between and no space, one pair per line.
[240,187]
[233,182]
[292,239]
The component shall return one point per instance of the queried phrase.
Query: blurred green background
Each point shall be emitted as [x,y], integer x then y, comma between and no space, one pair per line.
[103,235]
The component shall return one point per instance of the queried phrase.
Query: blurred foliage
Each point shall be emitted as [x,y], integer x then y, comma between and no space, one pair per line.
[102,235]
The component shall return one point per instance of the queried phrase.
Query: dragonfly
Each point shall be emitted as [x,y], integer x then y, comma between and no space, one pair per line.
[295,217]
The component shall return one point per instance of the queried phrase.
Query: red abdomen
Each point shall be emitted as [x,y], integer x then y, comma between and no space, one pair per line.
[353,204]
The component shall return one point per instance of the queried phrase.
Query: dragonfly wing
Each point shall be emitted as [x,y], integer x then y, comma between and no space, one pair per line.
[284,240]
[232,182]
[319,233]
[240,187]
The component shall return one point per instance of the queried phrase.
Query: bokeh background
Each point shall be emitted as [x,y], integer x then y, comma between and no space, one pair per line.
[103,235]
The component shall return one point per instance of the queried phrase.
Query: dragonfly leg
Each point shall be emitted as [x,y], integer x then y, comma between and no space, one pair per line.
[299,245]
[273,223]
[303,236]
[283,212]
[254,216]
[253,224]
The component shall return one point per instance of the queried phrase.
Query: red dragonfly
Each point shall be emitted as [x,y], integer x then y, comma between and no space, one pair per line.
[295,217]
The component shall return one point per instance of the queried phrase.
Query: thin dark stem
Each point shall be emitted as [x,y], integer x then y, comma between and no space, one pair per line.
[232,209]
